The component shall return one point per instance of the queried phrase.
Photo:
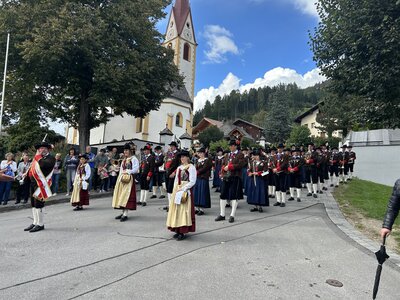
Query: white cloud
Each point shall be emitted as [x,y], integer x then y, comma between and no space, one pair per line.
[271,78]
[219,42]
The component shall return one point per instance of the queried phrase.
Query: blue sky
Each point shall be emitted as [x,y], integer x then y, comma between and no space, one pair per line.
[251,43]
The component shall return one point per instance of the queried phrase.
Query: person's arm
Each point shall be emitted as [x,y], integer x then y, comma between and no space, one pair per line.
[392,210]
[87,172]
[135,166]
[192,178]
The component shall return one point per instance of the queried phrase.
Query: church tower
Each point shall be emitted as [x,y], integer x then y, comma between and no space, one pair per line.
[181,38]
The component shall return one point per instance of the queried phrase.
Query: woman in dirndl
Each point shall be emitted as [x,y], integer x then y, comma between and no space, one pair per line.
[256,189]
[124,196]
[201,189]
[181,215]
[80,192]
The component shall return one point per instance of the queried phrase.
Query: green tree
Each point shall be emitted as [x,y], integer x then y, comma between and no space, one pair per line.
[300,135]
[221,143]
[278,123]
[260,118]
[357,45]
[91,59]
[210,134]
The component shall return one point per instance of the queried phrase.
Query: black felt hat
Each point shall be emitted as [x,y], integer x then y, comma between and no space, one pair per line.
[43,144]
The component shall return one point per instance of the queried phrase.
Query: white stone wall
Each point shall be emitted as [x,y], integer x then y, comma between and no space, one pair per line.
[380,164]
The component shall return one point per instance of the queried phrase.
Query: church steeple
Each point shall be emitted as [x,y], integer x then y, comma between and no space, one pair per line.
[181,38]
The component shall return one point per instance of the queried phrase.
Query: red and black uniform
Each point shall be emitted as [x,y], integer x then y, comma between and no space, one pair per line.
[281,169]
[159,175]
[146,170]
[294,174]
[352,158]
[201,189]
[232,187]
[171,164]
[334,164]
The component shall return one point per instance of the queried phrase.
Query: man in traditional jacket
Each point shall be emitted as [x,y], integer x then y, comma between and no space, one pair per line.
[352,160]
[171,164]
[159,173]
[146,173]
[39,176]
[232,187]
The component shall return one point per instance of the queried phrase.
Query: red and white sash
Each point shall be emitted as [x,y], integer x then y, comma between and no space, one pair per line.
[43,192]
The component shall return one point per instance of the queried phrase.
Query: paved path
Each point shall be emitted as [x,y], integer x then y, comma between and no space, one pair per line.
[283,253]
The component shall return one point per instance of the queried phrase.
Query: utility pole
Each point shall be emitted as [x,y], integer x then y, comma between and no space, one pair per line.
[4,84]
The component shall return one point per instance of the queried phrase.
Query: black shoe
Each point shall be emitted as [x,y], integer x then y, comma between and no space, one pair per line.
[272,196]
[220,218]
[231,219]
[283,204]
[144,204]
[123,219]
[17,202]
[315,195]
[321,192]
[309,195]
[200,213]
[37,228]
[277,204]
[118,217]
[196,211]
[29,227]
[165,208]
[181,237]
[25,202]
[291,199]
[77,208]
[175,236]
[332,185]
[260,210]
[298,200]
[5,203]
[153,196]
[325,188]
[161,197]
[254,209]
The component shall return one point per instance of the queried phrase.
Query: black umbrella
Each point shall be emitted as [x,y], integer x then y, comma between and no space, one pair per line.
[381,256]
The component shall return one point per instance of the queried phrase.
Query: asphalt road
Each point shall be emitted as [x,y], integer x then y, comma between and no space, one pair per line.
[283,253]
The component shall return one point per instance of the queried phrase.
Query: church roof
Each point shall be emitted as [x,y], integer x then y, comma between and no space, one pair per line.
[181,94]
[181,11]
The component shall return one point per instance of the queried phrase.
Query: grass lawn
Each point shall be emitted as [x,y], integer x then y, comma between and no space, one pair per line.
[364,204]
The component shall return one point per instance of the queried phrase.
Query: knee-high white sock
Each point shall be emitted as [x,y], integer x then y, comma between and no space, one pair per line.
[291,192]
[234,204]
[315,187]
[146,193]
[332,181]
[283,197]
[269,190]
[309,188]
[154,190]
[40,216]
[222,204]
[336,180]
[141,195]
[125,212]
[278,197]
[162,191]
[298,193]
[273,190]
[35,216]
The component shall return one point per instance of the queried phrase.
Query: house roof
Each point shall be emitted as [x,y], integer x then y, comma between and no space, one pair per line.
[242,131]
[203,122]
[185,136]
[307,112]
[166,131]
[373,137]
[244,121]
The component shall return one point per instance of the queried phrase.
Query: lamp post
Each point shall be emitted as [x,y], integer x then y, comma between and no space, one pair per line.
[4,84]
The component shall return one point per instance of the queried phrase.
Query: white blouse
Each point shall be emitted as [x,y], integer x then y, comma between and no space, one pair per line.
[135,166]
[192,177]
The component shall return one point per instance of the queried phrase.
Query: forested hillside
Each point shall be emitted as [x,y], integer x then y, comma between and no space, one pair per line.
[256,105]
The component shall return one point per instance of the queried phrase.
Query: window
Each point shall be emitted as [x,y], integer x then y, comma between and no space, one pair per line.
[186,52]
[179,120]
[187,25]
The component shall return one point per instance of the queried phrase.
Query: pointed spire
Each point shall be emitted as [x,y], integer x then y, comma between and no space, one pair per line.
[181,11]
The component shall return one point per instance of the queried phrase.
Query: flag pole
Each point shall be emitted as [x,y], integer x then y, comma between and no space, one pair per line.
[4,84]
